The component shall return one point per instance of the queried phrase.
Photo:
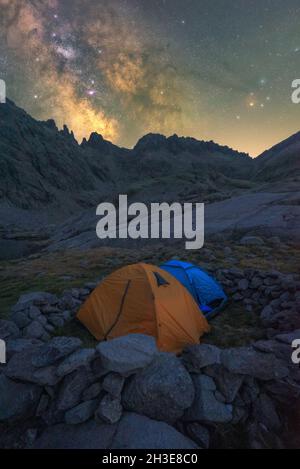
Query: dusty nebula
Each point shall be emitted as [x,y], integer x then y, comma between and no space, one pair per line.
[209,69]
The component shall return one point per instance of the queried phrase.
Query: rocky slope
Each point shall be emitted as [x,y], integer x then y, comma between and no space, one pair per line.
[43,167]
[281,161]
[50,185]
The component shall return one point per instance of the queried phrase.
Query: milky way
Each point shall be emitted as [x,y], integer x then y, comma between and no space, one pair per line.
[209,69]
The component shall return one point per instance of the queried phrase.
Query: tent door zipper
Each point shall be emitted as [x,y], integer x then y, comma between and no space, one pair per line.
[120,310]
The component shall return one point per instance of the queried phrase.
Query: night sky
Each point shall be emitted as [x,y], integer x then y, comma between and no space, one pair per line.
[213,69]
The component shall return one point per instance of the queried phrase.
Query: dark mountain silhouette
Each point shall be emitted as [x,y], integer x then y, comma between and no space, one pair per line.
[281,161]
[47,178]
[44,167]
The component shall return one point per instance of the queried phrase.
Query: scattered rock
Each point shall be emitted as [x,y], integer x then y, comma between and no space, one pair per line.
[260,437]
[206,408]
[72,388]
[81,413]
[279,349]
[35,330]
[196,357]
[42,320]
[92,392]
[21,319]
[126,355]
[265,413]
[109,410]
[56,320]
[288,338]
[67,316]
[17,400]
[8,330]
[250,391]
[139,432]
[199,434]
[20,367]
[227,383]
[53,415]
[20,345]
[49,328]
[284,392]
[34,312]
[31,436]
[45,376]
[162,390]
[74,361]
[227,251]
[113,384]
[57,348]
[98,369]
[43,405]
[247,361]
[35,298]
[89,435]
[237,297]
[243,284]
[267,314]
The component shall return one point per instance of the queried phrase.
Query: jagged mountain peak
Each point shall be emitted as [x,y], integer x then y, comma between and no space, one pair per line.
[44,167]
[97,143]
[175,144]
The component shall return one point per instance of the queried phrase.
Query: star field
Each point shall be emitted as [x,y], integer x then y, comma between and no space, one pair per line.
[212,69]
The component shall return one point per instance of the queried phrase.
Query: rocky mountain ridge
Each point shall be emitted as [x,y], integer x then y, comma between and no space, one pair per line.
[50,185]
[42,167]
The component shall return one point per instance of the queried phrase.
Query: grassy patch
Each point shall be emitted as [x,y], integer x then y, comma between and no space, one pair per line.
[57,272]
[234,327]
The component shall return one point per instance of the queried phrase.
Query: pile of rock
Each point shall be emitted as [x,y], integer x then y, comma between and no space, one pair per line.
[125,393]
[37,315]
[273,295]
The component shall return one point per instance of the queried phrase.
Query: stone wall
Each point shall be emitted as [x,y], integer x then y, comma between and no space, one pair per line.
[273,295]
[127,394]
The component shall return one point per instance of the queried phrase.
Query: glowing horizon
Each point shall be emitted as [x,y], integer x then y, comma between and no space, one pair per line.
[213,72]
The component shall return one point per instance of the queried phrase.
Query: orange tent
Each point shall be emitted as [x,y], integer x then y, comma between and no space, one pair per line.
[144,299]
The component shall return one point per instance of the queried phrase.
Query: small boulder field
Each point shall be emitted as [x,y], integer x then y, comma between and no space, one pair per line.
[58,392]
